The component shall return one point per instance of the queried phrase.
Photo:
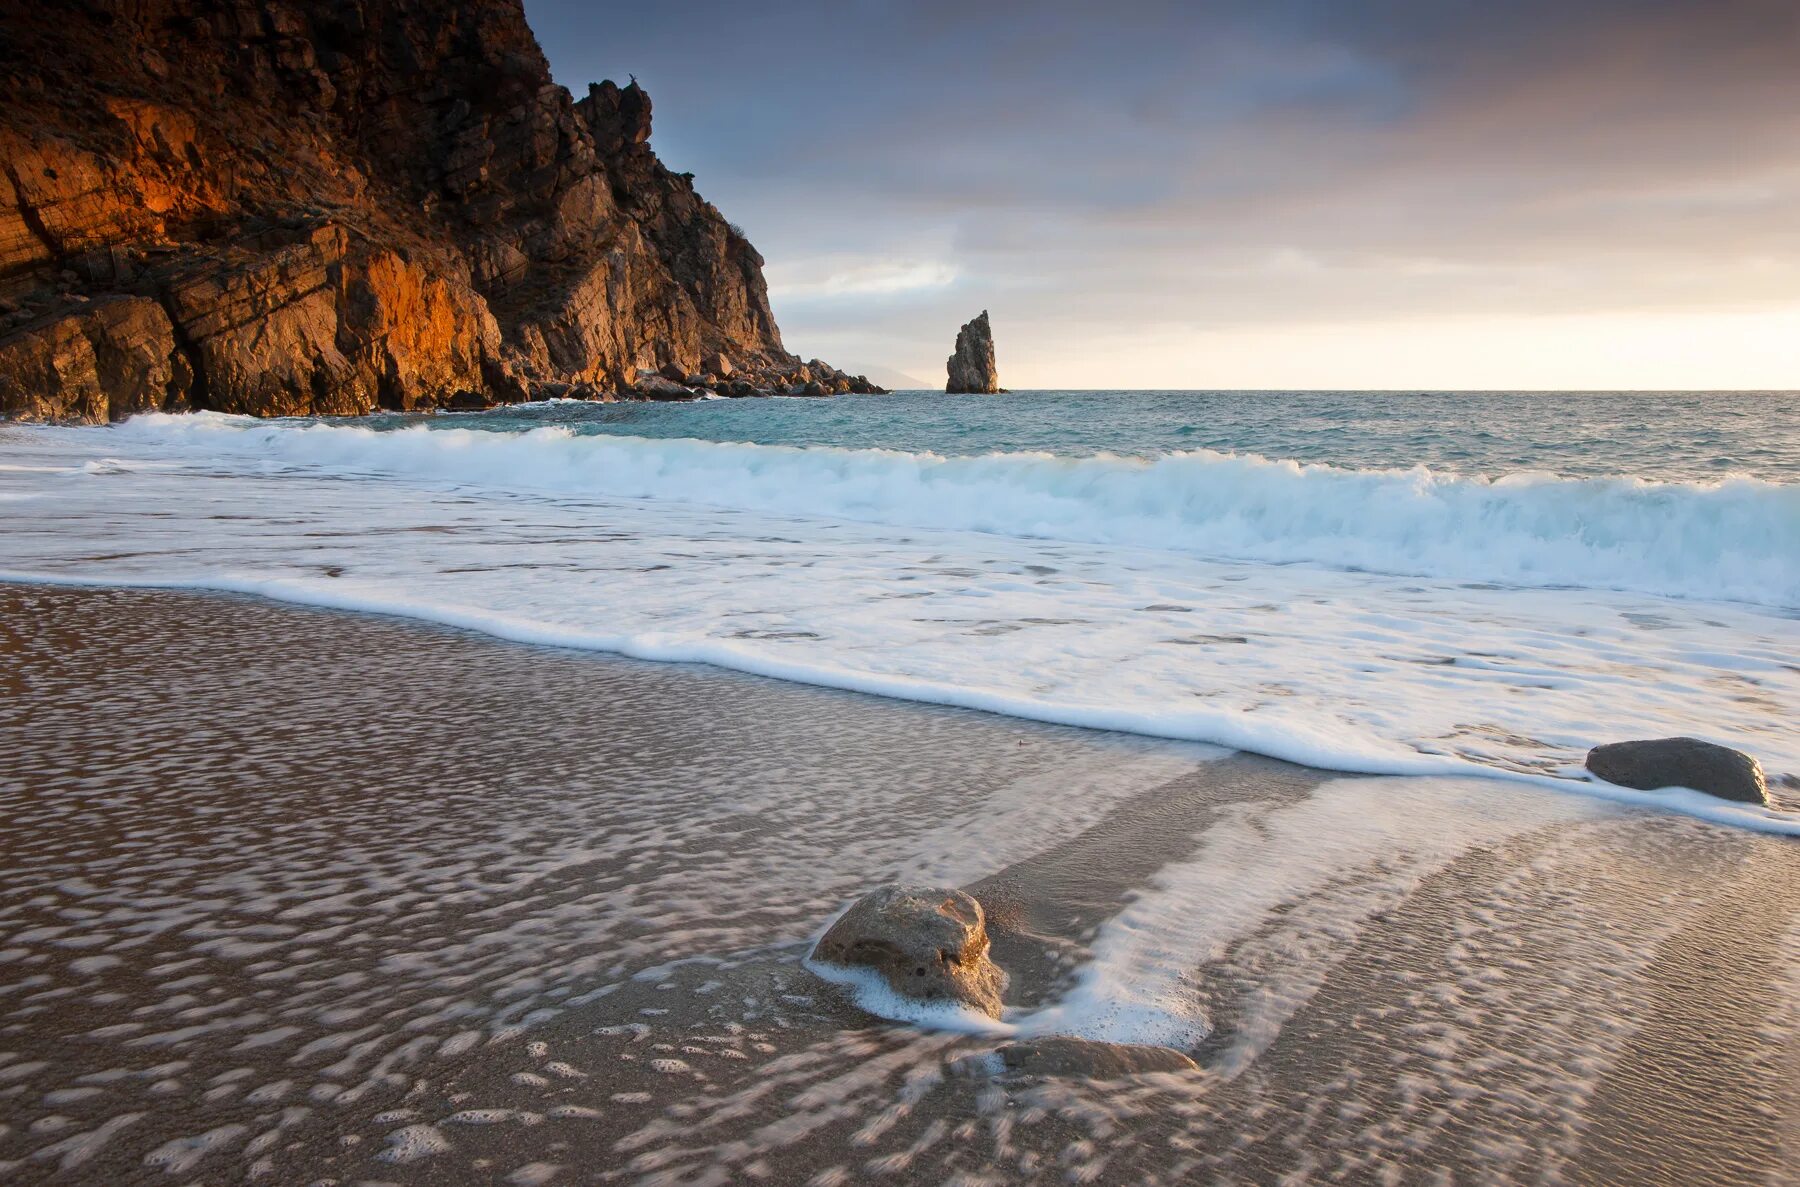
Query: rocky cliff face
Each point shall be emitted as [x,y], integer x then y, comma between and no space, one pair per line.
[282,207]
[972,366]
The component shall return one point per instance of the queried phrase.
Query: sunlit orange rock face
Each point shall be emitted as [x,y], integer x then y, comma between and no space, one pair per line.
[283,208]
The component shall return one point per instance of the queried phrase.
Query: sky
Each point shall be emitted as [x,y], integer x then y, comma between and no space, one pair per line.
[1251,194]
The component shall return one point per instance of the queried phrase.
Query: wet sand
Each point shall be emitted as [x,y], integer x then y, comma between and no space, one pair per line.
[294,896]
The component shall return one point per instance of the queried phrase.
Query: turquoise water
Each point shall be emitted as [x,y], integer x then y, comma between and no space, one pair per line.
[1688,436]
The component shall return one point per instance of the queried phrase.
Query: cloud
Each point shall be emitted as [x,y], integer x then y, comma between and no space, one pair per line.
[833,277]
[1141,171]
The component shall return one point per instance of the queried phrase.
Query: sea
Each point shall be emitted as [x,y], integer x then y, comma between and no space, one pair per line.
[333,849]
[1392,583]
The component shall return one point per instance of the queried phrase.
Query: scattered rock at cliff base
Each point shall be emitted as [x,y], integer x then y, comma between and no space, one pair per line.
[651,386]
[928,944]
[972,366]
[1681,762]
[1059,1056]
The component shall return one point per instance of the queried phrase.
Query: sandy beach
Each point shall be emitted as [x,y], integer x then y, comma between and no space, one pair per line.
[968,596]
[296,896]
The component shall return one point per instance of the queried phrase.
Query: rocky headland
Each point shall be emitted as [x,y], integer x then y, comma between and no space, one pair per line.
[283,208]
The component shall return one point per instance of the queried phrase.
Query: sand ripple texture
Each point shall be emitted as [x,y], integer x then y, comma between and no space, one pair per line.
[289,895]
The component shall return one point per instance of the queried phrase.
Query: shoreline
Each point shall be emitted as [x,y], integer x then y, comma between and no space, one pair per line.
[1236,735]
[310,894]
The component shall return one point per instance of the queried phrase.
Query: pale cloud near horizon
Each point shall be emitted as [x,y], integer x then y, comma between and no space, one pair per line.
[814,278]
[1420,193]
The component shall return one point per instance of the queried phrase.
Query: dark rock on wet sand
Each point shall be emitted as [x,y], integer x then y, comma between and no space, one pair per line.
[1095,1061]
[929,944]
[1681,762]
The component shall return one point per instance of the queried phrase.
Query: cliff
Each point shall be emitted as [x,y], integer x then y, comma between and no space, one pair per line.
[278,207]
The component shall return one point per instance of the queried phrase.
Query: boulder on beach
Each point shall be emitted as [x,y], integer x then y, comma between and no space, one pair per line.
[1059,1056]
[1681,762]
[972,367]
[927,943]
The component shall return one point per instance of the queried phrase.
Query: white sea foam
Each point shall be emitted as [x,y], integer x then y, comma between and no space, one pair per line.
[1347,670]
[1737,539]
[1331,861]
[875,996]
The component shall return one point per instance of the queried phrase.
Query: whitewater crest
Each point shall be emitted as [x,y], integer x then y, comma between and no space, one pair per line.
[1737,539]
[1380,622]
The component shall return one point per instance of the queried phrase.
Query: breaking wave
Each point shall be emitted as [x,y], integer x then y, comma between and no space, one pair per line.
[1737,539]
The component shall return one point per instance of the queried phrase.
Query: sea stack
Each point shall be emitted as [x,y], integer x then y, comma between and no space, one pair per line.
[972,366]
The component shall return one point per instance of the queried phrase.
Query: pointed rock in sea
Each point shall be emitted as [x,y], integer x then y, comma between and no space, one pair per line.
[972,367]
